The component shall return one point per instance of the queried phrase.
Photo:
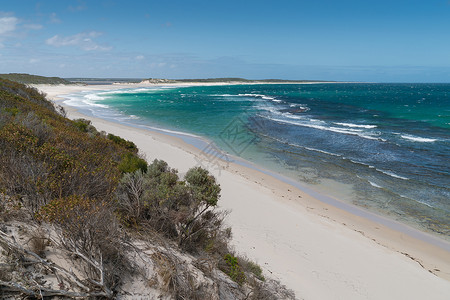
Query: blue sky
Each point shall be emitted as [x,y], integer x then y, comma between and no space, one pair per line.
[346,40]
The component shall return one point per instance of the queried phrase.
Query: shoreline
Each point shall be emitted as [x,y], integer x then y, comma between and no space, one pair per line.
[330,257]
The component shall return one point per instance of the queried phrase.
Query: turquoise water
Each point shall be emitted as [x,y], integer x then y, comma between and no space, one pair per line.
[384,147]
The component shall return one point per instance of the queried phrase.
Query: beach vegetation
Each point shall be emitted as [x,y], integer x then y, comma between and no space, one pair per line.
[89,195]
[45,156]
[130,163]
[182,210]
[251,267]
[33,79]
[82,124]
[233,269]
[123,142]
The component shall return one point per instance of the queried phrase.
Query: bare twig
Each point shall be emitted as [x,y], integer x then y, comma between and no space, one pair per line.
[14,247]
[43,292]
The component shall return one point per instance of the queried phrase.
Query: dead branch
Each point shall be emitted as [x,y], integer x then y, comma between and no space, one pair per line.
[9,244]
[13,287]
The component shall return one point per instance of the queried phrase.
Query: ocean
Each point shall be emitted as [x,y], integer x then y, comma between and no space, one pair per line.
[382,147]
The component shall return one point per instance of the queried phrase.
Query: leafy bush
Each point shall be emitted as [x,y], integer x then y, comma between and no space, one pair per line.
[251,267]
[82,124]
[12,110]
[233,269]
[123,142]
[130,163]
[181,210]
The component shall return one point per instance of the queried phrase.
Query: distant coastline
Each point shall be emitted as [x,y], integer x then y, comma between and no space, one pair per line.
[37,79]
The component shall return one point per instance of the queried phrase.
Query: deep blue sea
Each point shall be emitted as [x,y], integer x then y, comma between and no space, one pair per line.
[385,147]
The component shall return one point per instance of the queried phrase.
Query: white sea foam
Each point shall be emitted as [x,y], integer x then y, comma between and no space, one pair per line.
[327,128]
[304,147]
[356,125]
[390,173]
[361,163]
[418,139]
[321,151]
[252,95]
[375,185]
[303,107]
[424,203]
[264,97]
[172,131]
[94,97]
[91,100]
[295,117]
[85,101]
[224,95]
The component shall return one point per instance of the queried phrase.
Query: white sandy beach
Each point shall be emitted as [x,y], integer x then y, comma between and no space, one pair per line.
[319,251]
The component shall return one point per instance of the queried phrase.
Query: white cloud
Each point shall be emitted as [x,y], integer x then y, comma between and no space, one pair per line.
[33,60]
[84,41]
[140,57]
[8,25]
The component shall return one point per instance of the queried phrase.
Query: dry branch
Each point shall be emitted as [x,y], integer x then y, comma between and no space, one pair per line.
[23,257]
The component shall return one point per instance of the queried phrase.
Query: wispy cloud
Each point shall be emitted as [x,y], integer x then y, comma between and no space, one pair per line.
[54,19]
[8,24]
[84,41]
[140,57]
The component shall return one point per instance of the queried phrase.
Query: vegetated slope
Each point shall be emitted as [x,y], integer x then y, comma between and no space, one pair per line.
[33,79]
[83,215]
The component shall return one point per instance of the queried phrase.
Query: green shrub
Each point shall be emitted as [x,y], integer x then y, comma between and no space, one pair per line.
[204,186]
[81,124]
[253,268]
[12,110]
[233,269]
[131,162]
[123,142]
[181,210]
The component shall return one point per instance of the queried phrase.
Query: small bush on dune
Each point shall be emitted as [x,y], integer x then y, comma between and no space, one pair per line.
[250,267]
[233,269]
[181,210]
[130,163]
[123,142]
[84,126]
[81,124]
